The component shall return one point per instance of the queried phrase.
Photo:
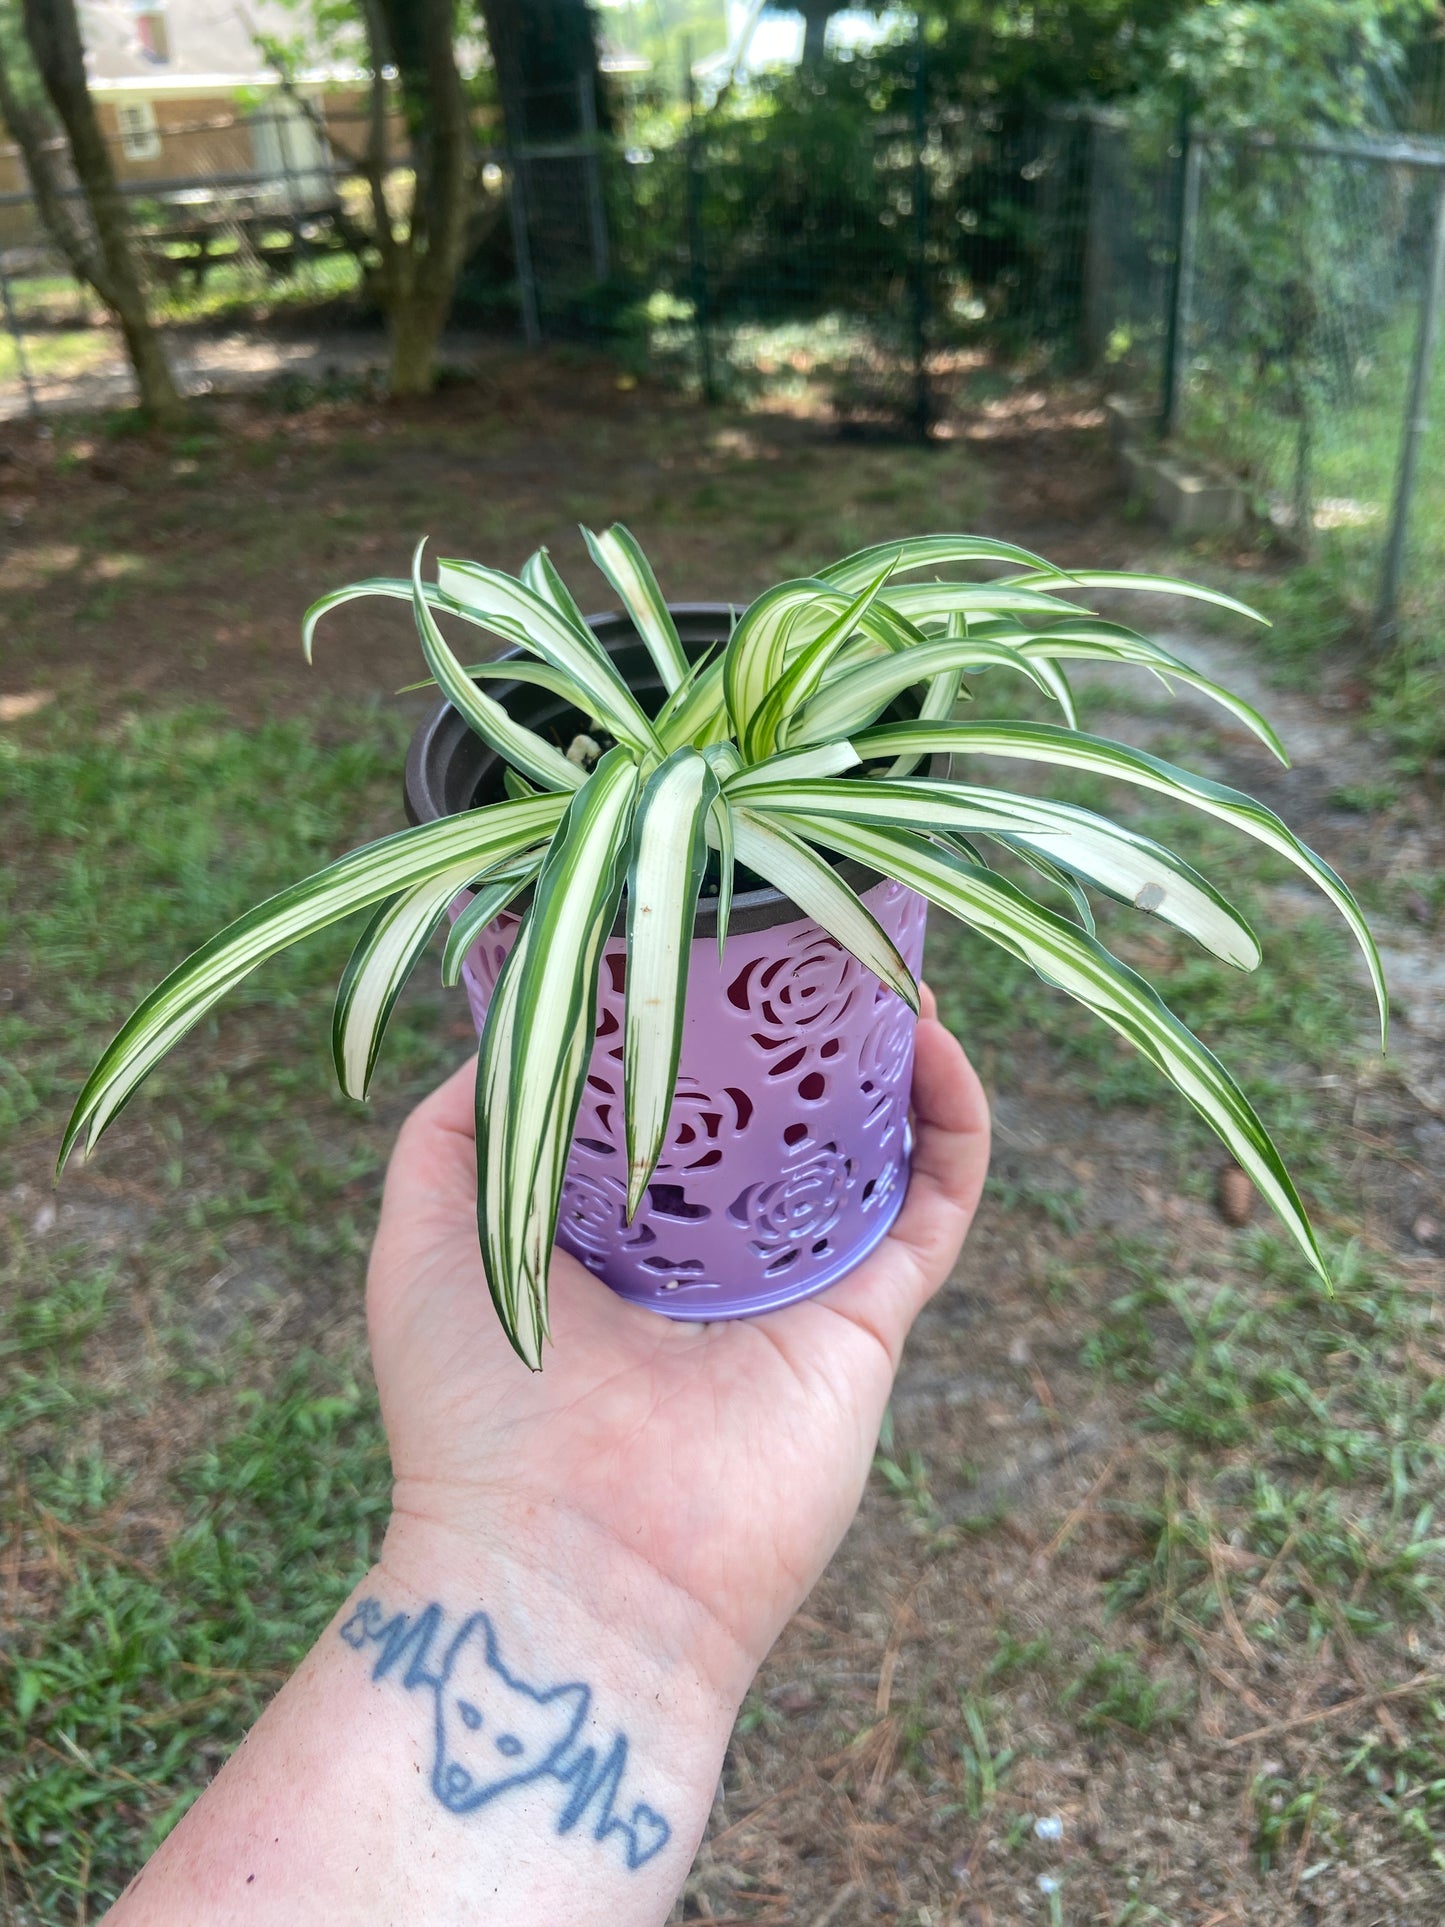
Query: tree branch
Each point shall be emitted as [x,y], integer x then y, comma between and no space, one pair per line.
[44,153]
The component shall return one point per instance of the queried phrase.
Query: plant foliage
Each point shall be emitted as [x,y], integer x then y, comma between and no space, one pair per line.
[776,752]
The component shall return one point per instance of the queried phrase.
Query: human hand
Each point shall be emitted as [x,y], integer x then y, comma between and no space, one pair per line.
[692,1479]
[598,1557]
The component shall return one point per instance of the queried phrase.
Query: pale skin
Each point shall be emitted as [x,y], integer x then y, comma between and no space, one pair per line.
[644,1516]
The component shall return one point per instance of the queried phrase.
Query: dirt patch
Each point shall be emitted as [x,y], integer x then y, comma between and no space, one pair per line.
[1023,1692]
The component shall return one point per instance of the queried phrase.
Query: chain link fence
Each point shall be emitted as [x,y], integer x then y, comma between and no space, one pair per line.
[237,217]
[1272,307]
[1269,306]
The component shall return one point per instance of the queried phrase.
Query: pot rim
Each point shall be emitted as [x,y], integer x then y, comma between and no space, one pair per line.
[441,735]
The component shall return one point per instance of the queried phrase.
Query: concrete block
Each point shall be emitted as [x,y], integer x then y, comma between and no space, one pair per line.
[1188,500]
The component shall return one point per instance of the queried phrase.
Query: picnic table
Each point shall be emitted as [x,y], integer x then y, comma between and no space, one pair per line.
[210,234]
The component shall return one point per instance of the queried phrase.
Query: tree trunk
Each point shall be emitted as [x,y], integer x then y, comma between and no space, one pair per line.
[52,181]
[53,33]
[816,14]
[413,329]
[419,271]
[541,48]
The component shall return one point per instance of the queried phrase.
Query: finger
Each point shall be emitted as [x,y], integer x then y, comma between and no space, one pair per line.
[437,1145]
[927,1002]
[949,1163]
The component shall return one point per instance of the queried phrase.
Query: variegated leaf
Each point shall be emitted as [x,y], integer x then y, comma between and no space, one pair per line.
[366,877]
[669,855]
[1073,962]
[1071,749]
[620,559]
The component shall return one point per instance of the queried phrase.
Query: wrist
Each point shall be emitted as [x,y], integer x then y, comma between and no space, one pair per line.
[527,1697]
[552,1567]
[464,1742]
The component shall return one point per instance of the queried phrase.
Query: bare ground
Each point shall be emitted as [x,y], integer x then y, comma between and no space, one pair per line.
[915,1749]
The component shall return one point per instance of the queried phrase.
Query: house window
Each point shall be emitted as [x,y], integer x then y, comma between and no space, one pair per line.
[139,136]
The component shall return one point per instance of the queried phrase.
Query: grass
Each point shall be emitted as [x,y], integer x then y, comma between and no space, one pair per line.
[66,334]
[174,1601]
[191,1467]
[1333,596]
[58,355]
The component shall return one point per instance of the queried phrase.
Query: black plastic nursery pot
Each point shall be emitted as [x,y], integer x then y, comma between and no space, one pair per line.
[787,1150]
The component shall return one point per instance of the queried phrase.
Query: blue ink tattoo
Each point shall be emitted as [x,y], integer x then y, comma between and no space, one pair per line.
[494,1732]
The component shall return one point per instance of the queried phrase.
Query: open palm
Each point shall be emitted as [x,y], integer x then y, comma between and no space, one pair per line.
[710,1470]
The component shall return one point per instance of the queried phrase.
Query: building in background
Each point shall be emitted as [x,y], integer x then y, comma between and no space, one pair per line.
[196,114]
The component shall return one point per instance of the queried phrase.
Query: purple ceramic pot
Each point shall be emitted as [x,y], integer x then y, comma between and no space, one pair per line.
[787,1152]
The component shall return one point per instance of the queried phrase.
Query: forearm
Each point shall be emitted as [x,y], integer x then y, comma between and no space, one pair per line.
[463,1744]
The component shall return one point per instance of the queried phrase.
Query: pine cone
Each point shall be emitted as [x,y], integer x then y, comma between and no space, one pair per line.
[1234,1196]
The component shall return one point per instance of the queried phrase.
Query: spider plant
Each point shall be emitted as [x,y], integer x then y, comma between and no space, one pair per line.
[773,752]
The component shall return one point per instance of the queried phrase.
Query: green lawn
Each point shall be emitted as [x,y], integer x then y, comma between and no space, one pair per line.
[191,1463]
[1355,441]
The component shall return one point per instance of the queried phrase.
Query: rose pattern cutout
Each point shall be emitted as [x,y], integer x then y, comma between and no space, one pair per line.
[880,1189]
[883,1066]
[800,996]
[591,1213]
[699,1127]
[797,1044]
[802,1204]
[886,1048]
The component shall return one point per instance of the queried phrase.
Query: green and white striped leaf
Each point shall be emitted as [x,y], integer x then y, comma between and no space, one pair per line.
[1058,686]
[940,699]
[387,952]
[510,609]
[356,882]
[854,699]
[720,837]
[1065,957]
[494,894]
[1046,743]
[820,893]
[922,601]
[781,624]
[620,559]
[669,855]
[540,574]
[664,720]
[1120,862]
[497,1207]
[791,765]
[930,552]
[531,753]
[696,712]
[572,910]
[804,673]
[726,762]
[396,588]
[537,675]
[1057,649]
[1098,641]
[757,649]
[1145,584]
[1061,880]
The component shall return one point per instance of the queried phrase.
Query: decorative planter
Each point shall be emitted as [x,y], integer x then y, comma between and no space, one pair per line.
[787,1151]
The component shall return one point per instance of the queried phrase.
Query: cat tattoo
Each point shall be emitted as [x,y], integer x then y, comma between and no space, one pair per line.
[494,1732]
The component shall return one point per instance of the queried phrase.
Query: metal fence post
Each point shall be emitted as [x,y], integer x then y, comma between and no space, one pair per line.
[522,251]
[592,165]
[922,400]
[1181,280]
[696,259]
[1416,423]
[22,360]
[1099,294]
